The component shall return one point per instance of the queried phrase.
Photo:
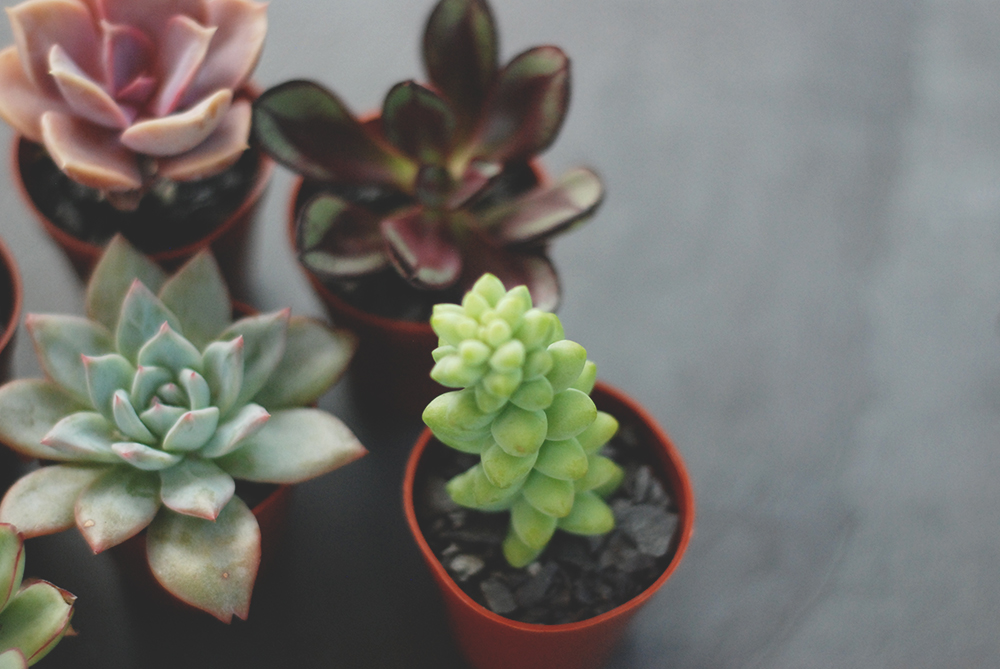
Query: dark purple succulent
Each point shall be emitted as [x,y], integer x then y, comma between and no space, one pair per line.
[440,185]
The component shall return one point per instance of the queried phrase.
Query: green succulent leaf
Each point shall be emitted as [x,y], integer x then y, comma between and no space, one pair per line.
[35,620]
[210,565]
[113,275]
[41,502]
[603,476]
[473,489]
[587,379]
[30,408]
[191,431]
[571,413]
[230,435]
[197,390]
[294,445]
[553,497]
[533,527]
[505,470]
[13,659]
[568,360]
[11,563]
[116,506]
[547,210]
[456,411]
[315,357]
[197,488]
[127,420]
[161,417]
[564,460]
[520,432]
[518,553]
[264,338]
[145,382]
[534,395]
[105,375]
[61,341]
[598,433]
[460,55]
[143,315]
[590,516]
[527,106]
[84,435]
[223,366]
[198,296]
[418,123]
[144,457]
[337,239]
[309,130]
[169,350]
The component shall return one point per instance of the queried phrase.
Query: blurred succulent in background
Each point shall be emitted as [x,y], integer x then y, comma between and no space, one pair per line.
[34,615]
[524,407]
[123,92]
[154,404]
[439,186]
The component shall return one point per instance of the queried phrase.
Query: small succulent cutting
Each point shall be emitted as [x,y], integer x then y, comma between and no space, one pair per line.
[439,186]
[34,615]
[524,407]
[154,404]
[122,92]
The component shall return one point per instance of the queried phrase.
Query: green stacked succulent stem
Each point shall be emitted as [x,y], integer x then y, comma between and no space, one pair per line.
[524,407]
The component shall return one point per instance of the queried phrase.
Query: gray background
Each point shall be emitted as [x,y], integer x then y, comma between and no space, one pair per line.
[796,271]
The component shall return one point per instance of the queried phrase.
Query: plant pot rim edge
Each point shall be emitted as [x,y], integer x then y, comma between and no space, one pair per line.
[17,294]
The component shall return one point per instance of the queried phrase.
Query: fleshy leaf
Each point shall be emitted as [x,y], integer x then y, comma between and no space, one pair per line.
[516,552]
[309,130]
[460,54]
[547,211]
[568,359]
[30,408]
[526,108]
[126,55]
[564,460]
[587,379]
[145,382]
[41,502]
[223,365]
[180,132]
[553,497]
[144,457]
[505,470]
[38,26]
[183,43]
[234,49]
[113,275]
[116,506]
[127,420]
[85,96]
[532,526]
[216,152]
[13,659]
[197,488]
[314,359]
[264,338]
[11,563]
[515,267]
[60,341]
[338,239]
[598,433]
[229,435]
[84,435]
[197,390]
[590,516]
[36,619]
[22,105]
[89,154]
[418,123]
[210,565]
[192,430]
[161,417]
[142,317]
[571,413]
[293,446]
[421,249]
[106,374]
[520,432]
[603,476]
[198,296]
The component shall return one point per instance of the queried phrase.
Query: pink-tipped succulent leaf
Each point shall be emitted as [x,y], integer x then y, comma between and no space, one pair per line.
[116,88]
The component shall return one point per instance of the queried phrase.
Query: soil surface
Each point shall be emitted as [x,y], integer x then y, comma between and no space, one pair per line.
[576,577]
[196,209]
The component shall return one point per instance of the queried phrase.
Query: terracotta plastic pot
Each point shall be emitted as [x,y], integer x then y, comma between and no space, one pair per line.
[11,299]
[392,365]
[228,240]
[490,641]
[271,514]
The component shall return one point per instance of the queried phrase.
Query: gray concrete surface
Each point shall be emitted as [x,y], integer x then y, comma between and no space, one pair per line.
[797,270]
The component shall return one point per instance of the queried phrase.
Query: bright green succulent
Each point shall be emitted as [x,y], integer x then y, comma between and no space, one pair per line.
[154,404]
[34,615]
[525,408]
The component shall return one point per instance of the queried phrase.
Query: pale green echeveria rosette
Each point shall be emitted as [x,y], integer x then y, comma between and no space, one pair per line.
[34,615]
[524,408]
[153,404]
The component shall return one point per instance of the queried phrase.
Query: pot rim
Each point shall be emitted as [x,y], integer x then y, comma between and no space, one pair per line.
[262,177]
[17,295]
[681,489]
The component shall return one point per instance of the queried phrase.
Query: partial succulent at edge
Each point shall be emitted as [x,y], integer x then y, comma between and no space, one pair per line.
[152,407]
[524,407]
[34,615]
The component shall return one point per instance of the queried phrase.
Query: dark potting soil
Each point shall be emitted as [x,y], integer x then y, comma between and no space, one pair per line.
[386,293]
[576,577]
[196,209]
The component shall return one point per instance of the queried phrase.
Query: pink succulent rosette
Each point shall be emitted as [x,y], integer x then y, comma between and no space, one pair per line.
[122,91]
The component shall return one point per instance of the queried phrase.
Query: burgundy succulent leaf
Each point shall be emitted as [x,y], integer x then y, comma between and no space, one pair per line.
[527,106]
[338,239]
[517,266]
[419,123]
[460,55]
[547,210]
[308,129]
[420,247]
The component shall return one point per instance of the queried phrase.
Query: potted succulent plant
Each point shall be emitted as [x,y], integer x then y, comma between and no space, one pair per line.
[34,615]
[153,404]
[134,118]
[588,539]
[407,209]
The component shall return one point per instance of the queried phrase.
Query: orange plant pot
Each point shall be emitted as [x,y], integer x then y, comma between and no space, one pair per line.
[490,641]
